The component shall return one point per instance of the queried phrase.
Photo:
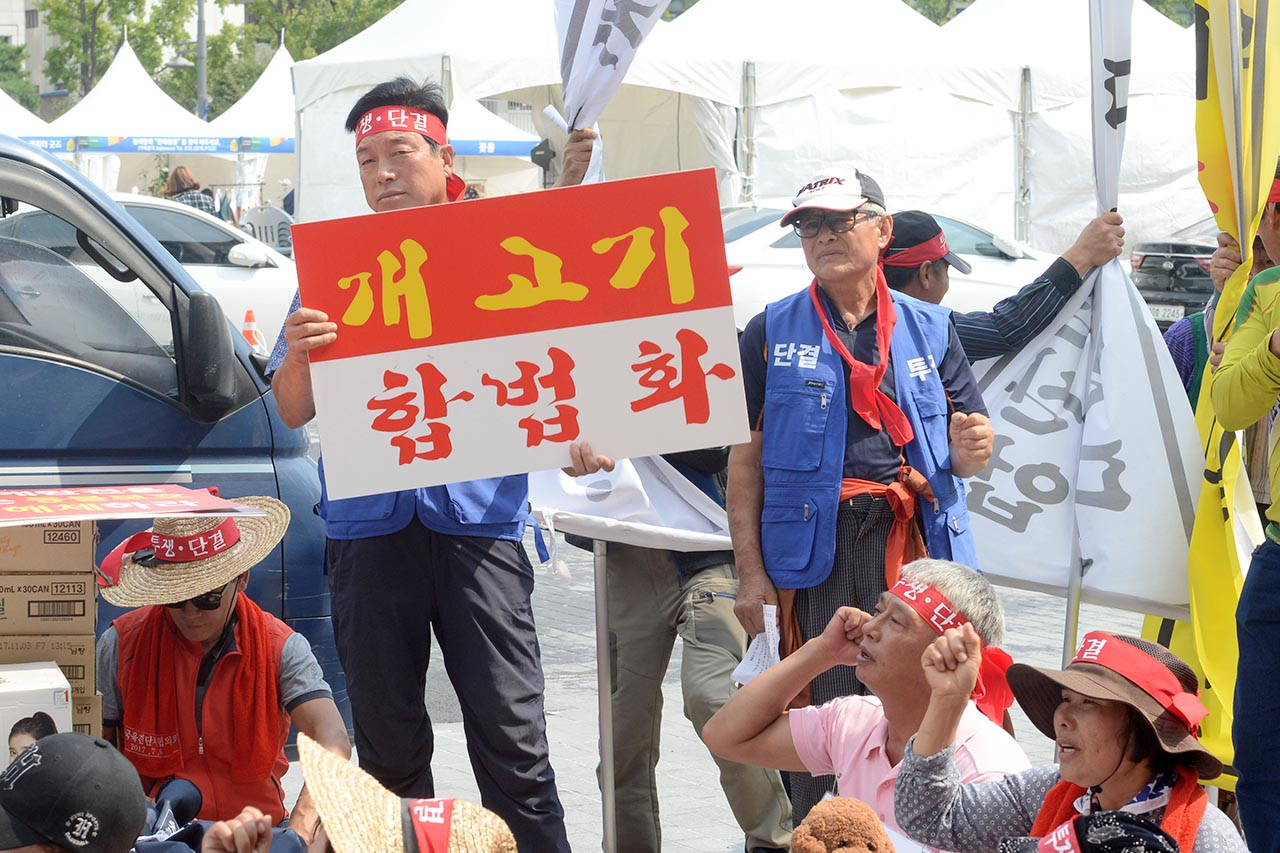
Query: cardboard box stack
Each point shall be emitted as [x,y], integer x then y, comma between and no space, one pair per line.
[48,609]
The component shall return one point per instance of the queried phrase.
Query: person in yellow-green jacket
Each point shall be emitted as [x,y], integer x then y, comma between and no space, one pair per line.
[1244,389]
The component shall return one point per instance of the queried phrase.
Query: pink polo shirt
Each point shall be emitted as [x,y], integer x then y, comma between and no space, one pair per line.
[846,737]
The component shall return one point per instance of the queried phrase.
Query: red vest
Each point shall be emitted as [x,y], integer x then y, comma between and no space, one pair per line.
[207,752]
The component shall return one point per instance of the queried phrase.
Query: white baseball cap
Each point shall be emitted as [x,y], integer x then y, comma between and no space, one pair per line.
[835,189]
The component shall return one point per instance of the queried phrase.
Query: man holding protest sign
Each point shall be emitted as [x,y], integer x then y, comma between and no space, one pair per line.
[448,557]
[865,414]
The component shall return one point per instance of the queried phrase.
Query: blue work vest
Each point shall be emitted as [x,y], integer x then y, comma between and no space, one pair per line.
[806,410]
[496,508]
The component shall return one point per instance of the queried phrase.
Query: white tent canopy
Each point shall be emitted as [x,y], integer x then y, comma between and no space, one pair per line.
[128,103]
[266,109]
[473,128]
[17,120]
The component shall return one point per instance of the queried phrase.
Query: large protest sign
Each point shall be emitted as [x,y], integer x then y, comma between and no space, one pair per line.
[481,338]
[1096,455]
[598,40]
[1237,138]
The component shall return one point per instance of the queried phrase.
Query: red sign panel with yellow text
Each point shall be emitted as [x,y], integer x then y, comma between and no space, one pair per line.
[481,338]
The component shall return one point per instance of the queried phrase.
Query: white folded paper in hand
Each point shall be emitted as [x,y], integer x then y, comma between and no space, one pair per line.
[763,651]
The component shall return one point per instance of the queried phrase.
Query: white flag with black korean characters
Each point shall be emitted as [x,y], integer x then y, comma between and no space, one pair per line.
[598,40]
[1096,460]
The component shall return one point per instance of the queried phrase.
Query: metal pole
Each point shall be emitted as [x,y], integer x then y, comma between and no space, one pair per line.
[604,687]
[446,79]
[749,133]
[1022,199]
[202,77]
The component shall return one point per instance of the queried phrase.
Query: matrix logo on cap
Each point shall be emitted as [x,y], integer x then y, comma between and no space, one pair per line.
[27,760]
[82,827]
[814,186]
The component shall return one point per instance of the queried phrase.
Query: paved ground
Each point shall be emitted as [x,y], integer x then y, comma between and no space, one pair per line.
[695,816]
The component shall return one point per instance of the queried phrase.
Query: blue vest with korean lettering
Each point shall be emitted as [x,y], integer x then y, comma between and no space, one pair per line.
[805,417]
[496,508]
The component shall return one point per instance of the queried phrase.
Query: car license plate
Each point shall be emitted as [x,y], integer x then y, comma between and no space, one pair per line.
[1167,312]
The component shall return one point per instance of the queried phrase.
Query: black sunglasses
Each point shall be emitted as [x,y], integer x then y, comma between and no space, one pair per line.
[208,601]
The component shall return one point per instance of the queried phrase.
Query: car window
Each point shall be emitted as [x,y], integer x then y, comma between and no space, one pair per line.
[187,237]
[739,223]
[55,306]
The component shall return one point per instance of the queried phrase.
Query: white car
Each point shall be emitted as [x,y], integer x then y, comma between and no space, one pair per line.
[767,263]
[243,273]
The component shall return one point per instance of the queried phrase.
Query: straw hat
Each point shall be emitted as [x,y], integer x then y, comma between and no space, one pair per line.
[156,581]
[1039,692]
[361,816]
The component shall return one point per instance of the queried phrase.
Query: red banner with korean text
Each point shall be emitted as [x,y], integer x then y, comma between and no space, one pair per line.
[45,506]
[480,338]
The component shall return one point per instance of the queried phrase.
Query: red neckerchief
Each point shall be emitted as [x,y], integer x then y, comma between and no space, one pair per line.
[869,402]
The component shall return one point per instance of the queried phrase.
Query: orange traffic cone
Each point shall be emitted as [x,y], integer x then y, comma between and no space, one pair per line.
[252,334]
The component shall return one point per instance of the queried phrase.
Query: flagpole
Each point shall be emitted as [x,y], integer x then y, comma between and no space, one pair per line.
[604,690]
[1233,13]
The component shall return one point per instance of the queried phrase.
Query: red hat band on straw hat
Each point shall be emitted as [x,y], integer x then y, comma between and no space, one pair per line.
[170,548]
[432,820]
[1147,673]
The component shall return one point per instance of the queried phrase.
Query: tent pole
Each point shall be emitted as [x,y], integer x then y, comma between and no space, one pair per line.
[1022,198]
[604,688]
[748,136]
[446,78]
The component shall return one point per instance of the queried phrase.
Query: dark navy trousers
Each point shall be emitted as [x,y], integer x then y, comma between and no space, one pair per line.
[1257,704]
[387,594]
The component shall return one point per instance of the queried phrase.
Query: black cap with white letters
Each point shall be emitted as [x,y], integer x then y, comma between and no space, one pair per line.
[75,791]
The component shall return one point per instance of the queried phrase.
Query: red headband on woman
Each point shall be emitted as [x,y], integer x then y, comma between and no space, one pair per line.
[1153,677]
[1274,195]
[991,694]
[934,249]
[170,549]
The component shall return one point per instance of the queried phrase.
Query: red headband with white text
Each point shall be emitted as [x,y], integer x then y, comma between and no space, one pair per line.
[384,119]
[1153,677]
[388,118]
[991,694]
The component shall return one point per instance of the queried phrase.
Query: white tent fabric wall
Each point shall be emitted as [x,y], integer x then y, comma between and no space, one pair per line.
[927,150]
[982,53]
[657,131]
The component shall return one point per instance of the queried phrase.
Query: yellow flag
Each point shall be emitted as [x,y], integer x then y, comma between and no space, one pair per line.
[1238,139]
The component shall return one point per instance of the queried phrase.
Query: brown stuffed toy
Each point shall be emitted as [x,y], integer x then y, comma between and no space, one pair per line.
[841,825]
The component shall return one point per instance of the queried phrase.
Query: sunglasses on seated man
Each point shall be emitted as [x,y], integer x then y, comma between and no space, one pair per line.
[208,601]
[809,226]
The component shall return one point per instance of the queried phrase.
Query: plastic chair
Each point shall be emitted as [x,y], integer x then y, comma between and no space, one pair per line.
[270,225]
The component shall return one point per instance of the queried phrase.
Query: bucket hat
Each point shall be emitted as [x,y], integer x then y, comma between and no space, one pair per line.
[1143,675]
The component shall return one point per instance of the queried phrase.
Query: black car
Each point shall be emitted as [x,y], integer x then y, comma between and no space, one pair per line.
[1173,274]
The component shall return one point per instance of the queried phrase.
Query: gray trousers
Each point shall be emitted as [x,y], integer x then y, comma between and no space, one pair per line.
[648,608]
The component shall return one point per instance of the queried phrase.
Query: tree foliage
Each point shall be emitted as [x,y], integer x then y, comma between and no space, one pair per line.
[88,33]
[237,55]
[941,11]
[13,76]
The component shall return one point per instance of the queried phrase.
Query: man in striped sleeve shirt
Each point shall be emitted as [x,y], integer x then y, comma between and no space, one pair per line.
[917,263]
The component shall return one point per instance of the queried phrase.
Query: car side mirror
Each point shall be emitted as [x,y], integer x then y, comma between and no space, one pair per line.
[248,255]
[209,359]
